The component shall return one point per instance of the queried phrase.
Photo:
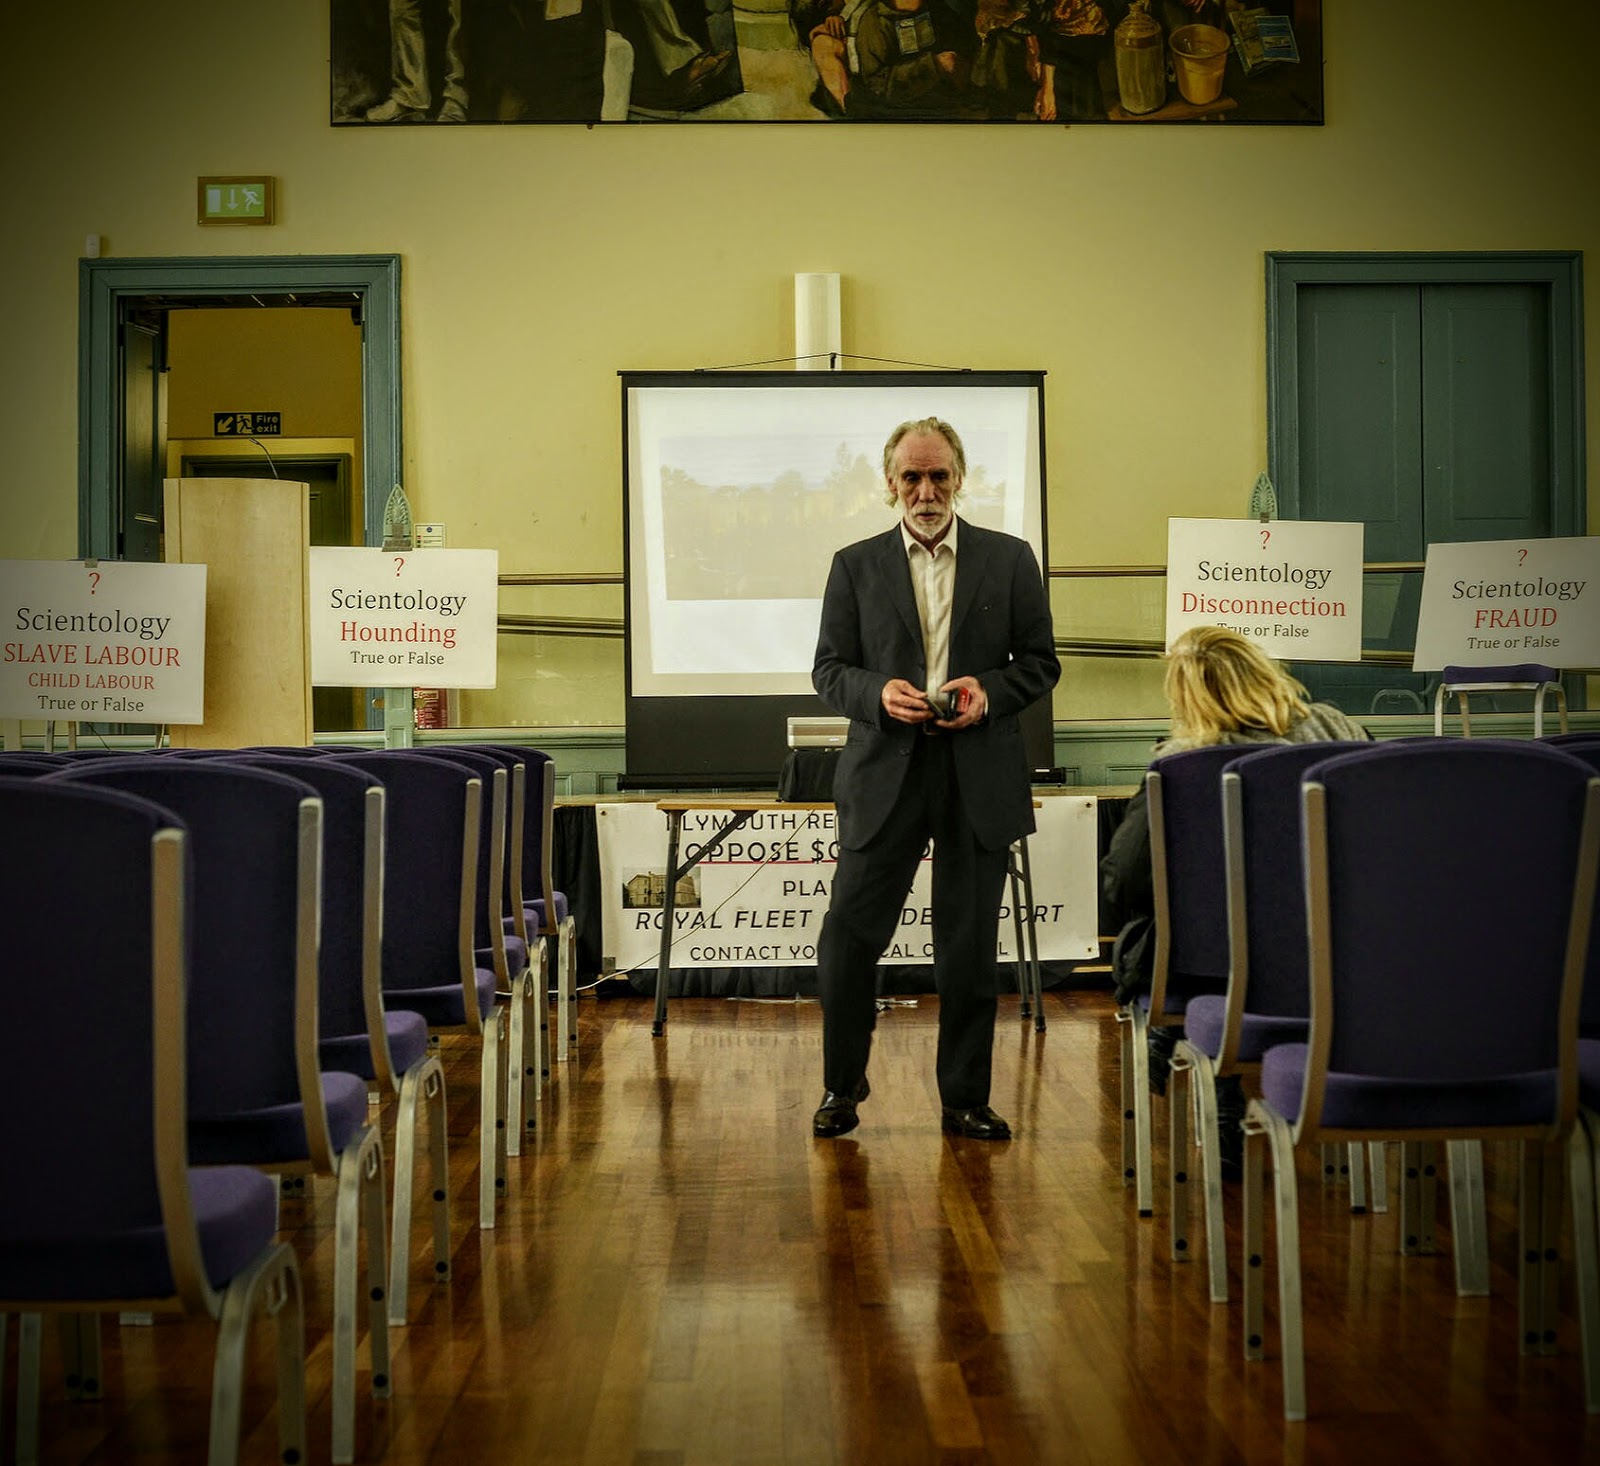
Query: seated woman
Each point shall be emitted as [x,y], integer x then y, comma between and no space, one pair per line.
[1221,688]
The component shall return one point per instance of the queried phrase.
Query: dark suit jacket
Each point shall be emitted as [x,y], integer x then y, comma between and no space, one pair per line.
[1000,633]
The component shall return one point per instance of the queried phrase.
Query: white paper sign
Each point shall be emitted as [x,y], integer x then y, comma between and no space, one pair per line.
[110,641]
[1293,586]
[759,900]
[1492,603]
[403,618]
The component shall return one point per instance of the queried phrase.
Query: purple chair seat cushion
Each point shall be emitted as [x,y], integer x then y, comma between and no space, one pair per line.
[276,1134]
[440,1007]
[1365,1102]
[516,954]
[1183,989]
[1203,1020]
[534,911]
[352,1052]
[236,1211]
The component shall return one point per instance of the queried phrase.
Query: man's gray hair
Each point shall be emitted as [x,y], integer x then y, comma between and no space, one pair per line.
[923,425]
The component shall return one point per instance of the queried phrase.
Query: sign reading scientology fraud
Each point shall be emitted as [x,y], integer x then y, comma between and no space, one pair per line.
[1293,586]
[407,618]
[1492,603]
[113,641]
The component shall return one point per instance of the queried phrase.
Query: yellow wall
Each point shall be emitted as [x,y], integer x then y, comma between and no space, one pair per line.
[304,364]
[538,261]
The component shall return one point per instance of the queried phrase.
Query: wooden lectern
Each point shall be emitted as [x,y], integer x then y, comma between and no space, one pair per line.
[252,535]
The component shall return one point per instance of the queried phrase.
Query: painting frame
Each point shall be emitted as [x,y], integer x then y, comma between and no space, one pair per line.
[989,62]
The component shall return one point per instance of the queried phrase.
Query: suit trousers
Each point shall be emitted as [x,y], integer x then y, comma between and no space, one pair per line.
[869,891]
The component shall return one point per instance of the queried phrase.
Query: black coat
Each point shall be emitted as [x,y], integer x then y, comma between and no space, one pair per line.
[1000,633]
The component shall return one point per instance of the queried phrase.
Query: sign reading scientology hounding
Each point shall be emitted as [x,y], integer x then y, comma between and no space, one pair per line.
[412,618]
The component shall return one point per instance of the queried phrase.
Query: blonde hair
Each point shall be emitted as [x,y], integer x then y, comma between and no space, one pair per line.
[1219,682]
[958,454]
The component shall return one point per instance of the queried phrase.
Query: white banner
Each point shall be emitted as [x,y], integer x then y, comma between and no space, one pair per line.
[403,618]
[759,900]
[103,641]
[1293,586]
[1505,602]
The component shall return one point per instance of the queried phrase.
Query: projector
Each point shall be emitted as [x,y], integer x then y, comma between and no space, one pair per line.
[818,732]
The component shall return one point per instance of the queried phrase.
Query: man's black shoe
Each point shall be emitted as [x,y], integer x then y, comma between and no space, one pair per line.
[836,1115]
[978,1123]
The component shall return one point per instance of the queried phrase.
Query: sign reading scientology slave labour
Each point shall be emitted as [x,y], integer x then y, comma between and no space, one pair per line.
[113,641]
[403,618]
[1492,603]
[1291,585]
[759,899]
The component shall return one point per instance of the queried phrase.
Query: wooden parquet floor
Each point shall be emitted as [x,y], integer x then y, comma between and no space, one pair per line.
[681,1274]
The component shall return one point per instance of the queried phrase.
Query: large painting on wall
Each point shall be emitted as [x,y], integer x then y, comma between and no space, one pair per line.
[410,62]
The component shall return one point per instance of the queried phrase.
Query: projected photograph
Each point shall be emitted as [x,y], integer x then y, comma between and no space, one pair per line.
[740,489]
[408,62]
[791,492]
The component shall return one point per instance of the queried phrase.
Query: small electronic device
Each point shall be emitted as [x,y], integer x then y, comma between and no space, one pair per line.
[948,705]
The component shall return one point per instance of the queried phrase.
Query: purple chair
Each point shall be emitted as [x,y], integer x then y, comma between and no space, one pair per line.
[101,1207]
[430,919]
[1184,794]
[527,959]
[1450,888]
[496,942]
[546,911]
[257,1092]
[1268,997]
[357,1034]
[1583,1162]
[27,765]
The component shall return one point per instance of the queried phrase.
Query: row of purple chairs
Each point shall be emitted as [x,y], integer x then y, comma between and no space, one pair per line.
[382,835]
[1395,938]
[106,1204]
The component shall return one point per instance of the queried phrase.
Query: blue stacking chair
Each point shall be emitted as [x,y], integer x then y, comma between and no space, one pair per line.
[358,1034]
[27,765]
[497,944]
[1184,795]
[1268,997]
[430,921]
[527,959]
[547,912]
[258,1094]
[101,1209]
[1450,891]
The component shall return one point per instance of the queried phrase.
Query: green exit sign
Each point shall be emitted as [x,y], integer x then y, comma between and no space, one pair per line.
[235,200]
[246,424]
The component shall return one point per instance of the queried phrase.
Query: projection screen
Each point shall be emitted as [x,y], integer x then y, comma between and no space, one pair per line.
[739,487]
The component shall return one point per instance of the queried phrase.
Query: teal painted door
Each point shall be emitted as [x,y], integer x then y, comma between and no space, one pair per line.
[1424,412]
[141,473]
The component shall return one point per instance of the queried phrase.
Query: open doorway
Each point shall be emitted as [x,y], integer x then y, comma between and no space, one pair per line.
[167,344]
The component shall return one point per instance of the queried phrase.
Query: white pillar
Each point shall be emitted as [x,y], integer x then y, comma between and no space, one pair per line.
[817,331]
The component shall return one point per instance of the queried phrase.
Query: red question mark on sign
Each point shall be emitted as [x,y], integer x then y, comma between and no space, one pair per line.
[1266,535]
[399,560]
[1521,556]
[94,577]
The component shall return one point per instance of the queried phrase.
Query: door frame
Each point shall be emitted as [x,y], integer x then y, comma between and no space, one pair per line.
[1561,271]
[103,286]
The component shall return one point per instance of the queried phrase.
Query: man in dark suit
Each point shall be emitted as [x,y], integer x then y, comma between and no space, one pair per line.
[934,637]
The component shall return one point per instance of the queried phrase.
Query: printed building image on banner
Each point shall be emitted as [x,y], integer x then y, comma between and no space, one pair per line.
[760,898]
[1293,586]
[112,641]
[1508,602]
